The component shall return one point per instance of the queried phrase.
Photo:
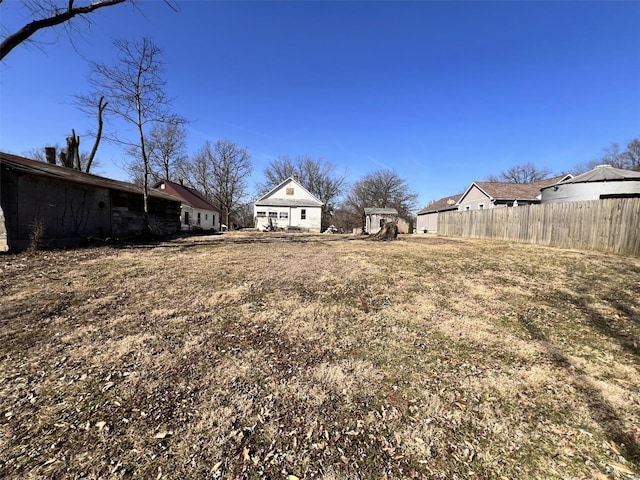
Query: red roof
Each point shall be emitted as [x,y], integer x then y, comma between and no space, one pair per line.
[190,196]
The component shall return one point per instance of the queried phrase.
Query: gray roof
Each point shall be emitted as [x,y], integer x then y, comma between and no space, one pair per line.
[604,173]
[380,211]
[283,202]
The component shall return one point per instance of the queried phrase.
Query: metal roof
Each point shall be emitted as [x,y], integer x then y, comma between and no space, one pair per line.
[380,211]
[604,173]
[64,174]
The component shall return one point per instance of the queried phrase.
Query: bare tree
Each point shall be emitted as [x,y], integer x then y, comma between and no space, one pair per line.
[166,149]
[101,106]
[381,189]
[134,87]
[219,171]
[632,155]
[276,172]
[49,13]
[629,159]
[523,173]
[231,167]
[167,146]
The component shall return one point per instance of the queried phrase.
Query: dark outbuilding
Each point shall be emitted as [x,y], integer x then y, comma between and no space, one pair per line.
[66,206]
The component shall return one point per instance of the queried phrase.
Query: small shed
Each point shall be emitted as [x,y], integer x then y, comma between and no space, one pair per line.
[68,206]
[604,181]
[375,218]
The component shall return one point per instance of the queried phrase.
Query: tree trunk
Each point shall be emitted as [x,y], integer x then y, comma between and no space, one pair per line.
[101,107]
[389,231]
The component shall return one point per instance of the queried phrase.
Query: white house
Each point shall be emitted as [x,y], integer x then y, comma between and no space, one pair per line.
[289,206]
[196,211]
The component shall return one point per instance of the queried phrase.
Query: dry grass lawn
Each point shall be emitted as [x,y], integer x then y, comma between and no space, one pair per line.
[328,357]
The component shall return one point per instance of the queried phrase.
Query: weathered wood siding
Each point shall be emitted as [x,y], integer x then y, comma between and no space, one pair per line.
[611,225]
[68,213]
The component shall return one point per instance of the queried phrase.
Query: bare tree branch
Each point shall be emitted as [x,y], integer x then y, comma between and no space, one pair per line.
[56,17]
[101,106]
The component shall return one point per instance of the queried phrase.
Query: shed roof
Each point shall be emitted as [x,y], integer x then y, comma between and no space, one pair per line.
[190,196]
[604,173]
[442,205]
[380,211]
[65,174]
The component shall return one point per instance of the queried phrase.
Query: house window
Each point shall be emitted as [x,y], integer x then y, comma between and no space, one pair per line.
[262,214]
[273,214]
[481,206]
[186,218]
[206,216]
[284,215]
[198,218]
[289,190]
[303,214]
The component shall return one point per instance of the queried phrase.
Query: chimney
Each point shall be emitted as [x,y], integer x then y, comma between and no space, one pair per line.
[295,177]
[50,155]
[181,181]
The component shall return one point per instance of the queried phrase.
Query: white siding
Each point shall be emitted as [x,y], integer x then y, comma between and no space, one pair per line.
[209,219]
[286,204]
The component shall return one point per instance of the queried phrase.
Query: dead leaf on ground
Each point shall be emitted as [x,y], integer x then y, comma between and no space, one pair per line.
[601,476]
[622,468]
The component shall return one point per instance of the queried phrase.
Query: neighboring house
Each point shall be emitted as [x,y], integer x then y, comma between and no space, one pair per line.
[485,195]
[195,211]
[71,206]
[427,218]
[604,181]
[375,218]
[289,206]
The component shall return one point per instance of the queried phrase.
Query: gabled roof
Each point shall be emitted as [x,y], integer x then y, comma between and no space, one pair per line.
[190,196]
[266,200]
[64,174]
[380,211]
[442,205]
[514,191]
[604,173]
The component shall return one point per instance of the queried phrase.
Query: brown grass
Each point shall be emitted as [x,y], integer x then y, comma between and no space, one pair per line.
[274,356]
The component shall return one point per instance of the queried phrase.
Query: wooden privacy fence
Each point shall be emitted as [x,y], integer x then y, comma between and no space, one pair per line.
[611,225]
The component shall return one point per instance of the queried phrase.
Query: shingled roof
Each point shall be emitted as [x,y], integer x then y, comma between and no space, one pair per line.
[442,205]
[519,191]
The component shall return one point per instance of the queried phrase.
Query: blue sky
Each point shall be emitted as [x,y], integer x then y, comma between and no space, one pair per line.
[445,93]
